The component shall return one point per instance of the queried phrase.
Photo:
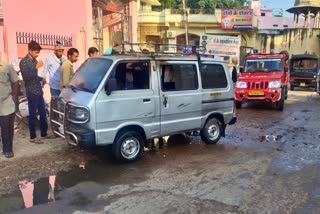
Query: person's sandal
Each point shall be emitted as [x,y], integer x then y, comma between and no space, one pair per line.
[48,137]
[8,154]
[36,141]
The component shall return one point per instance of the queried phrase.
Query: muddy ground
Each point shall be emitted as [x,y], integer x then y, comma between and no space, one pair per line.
[268,163]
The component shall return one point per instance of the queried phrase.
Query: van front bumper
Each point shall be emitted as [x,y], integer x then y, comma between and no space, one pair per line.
[233,121]
[81,137]
[270,94]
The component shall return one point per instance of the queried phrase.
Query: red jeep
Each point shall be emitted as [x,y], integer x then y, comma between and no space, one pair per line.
[264,77]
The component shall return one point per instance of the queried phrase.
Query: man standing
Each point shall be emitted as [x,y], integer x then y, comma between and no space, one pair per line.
[33,83]
[233,69]
[92,52]
[67,67]
[9,87]
[52,66]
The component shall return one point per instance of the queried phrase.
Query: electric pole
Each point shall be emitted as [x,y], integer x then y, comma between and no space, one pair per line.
[185,17]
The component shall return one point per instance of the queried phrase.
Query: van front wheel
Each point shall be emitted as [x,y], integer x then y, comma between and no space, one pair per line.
[212,131]
[128,146]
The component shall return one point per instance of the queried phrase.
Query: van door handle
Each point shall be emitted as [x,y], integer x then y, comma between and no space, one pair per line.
[146,100]
[165,101]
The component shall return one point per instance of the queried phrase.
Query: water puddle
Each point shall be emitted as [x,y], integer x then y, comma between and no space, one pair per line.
[78,186]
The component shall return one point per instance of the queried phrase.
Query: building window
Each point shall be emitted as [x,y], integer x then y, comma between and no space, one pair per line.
[213,76]
[285,26]
[275,25]
[263,14]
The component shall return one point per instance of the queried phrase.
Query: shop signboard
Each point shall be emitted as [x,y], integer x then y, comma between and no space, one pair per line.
[233,19]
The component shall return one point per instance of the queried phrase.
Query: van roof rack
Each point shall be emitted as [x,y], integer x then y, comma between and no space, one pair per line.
[187,50]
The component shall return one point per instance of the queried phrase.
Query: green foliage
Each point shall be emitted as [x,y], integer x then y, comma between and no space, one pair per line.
[169,4]
[203,4]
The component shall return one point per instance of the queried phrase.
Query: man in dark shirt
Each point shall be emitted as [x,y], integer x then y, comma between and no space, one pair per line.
[33,83]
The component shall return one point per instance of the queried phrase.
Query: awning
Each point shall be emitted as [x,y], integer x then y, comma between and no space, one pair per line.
[304,9]
[151,2]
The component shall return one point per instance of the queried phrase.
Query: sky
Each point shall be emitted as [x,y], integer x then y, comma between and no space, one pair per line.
[278,4]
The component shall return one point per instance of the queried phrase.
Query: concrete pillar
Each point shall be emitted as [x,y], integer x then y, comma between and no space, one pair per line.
[134,21]
[307,20]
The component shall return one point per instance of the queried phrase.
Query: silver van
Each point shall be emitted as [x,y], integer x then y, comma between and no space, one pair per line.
[126,100]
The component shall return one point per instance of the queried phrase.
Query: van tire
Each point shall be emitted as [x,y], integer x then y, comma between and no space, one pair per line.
[133,141]
[212,131]
[238,104]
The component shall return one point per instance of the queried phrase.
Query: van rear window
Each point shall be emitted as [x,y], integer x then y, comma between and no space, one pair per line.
[213,76]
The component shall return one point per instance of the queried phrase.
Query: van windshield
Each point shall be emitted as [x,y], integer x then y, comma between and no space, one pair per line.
[90,74]
[263,65]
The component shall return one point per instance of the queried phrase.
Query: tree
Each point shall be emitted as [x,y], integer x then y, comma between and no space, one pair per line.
[169,4]
[202,4]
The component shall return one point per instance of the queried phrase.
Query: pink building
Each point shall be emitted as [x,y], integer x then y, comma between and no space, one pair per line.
[39,20]
[1,31]
[75,23]
[267,20]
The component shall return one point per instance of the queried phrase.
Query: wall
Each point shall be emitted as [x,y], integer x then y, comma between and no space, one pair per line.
[2,53]
[59,17]
[295,41]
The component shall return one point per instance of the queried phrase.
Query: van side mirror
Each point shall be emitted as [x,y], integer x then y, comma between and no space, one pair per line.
[241,69]
[107,89]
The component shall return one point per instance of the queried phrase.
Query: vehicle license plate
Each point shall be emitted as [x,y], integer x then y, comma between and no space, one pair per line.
[256,93]
[302,84]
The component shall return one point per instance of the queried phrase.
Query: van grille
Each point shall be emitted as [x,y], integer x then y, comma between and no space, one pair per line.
[258,85]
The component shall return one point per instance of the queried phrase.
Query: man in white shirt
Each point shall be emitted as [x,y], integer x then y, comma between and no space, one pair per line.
[52,66]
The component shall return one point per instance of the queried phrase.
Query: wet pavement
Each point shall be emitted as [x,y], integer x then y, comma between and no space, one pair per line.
[269,162]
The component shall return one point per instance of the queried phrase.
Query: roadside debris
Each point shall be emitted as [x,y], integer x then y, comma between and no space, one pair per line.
[82,165]
[306,110]
[270,138]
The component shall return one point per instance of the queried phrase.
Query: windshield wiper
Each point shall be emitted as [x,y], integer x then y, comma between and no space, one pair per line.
[73,88]
[86,90]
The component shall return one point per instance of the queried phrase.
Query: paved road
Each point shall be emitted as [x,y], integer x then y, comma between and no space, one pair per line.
[268,163]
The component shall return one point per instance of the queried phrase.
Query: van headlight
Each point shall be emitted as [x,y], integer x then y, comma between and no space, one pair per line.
[78,114]
[241,85]
[274,84]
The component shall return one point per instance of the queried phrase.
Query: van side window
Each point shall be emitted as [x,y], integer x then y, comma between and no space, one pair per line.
[130,76]
[213,76]
[179,77]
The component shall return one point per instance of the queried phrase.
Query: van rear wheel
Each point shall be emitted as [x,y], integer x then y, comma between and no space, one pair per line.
[128,146]
[212,131]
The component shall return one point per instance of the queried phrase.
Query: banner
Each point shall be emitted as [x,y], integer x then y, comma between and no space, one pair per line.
[221,45]
[236,19]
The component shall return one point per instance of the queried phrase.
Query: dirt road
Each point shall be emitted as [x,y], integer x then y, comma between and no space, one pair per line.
[268,163]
